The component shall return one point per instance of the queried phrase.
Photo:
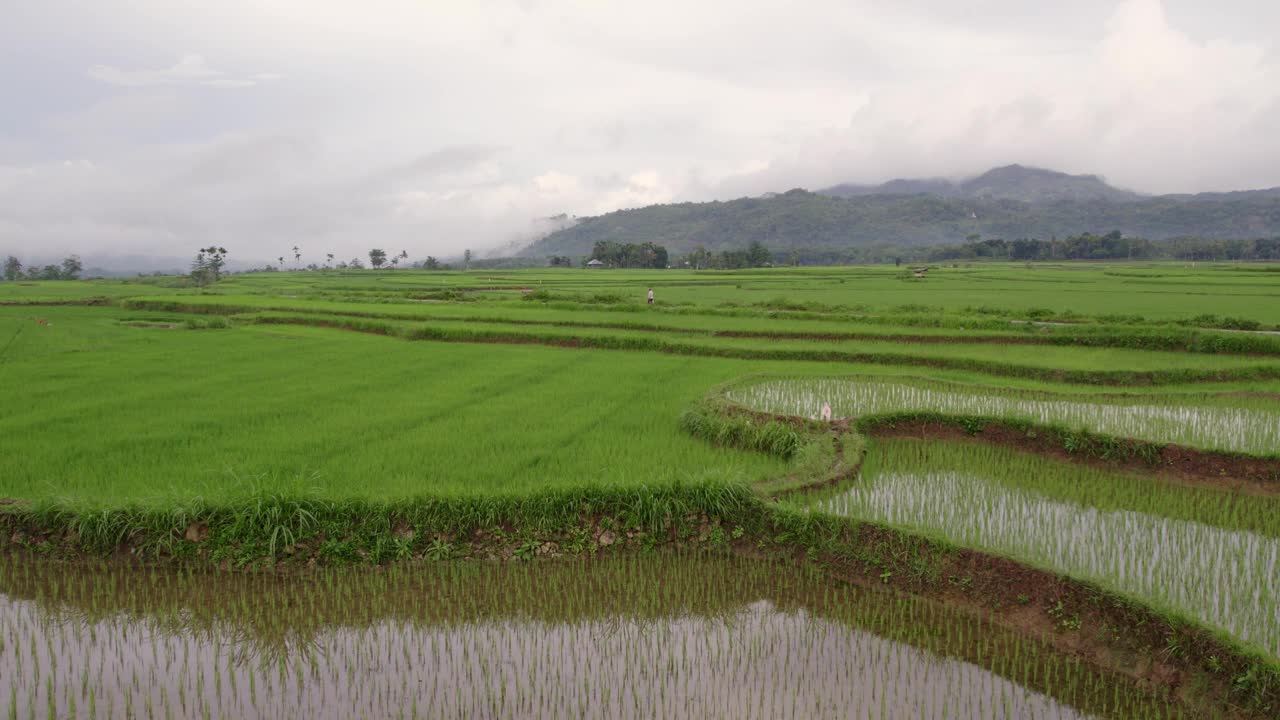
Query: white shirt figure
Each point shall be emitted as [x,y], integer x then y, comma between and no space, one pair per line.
[826,412]
[650,296]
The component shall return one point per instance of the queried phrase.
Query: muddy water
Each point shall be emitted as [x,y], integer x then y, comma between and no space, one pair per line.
[664,636]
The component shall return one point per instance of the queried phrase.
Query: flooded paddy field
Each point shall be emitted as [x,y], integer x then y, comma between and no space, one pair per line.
[635,636]
[1251,426]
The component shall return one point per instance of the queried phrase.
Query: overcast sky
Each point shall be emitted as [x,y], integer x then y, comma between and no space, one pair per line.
[156,126]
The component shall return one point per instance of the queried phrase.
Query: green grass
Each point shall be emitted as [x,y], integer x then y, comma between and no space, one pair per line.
[106,413]
[1157,291]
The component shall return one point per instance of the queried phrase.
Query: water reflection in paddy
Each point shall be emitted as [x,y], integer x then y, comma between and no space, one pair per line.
[659,636]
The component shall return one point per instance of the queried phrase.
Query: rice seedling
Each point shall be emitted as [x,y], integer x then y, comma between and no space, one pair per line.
[1218,574]
[1253,429]
[669,636]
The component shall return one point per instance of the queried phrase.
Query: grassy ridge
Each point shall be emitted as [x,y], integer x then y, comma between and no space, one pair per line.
[1212,372]
[764,323]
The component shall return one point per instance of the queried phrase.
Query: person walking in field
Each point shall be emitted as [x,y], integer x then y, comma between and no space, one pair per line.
[650,296]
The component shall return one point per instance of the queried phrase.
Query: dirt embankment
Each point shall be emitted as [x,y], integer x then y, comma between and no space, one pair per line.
[1185,465]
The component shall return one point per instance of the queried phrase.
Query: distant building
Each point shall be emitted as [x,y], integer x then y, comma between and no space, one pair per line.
[594,263]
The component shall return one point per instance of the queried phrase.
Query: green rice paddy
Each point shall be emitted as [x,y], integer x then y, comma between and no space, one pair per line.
[511,444]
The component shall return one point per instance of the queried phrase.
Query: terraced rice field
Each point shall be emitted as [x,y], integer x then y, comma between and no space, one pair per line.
[1219,575]
[561,540]
[1248,425]
[666,637]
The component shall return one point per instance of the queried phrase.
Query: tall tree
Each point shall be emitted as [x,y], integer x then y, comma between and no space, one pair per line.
[377,256]
[466,259]
[71,267]
[217,259]
[207,267]
[297,255]
[12,268]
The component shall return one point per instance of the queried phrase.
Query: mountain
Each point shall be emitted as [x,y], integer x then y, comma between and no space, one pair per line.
[1012,182]
[1009,202]
[901,186]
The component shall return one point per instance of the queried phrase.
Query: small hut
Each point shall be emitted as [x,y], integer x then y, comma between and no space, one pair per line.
[594,263]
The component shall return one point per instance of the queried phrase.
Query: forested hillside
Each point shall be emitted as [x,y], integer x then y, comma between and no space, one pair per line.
[801,220]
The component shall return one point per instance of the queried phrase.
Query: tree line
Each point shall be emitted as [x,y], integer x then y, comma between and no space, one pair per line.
[70,269]
[629,255]
[207,267]
[754,255]
[1111,246]
[653,256]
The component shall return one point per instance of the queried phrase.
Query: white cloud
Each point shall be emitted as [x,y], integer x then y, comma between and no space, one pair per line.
[191,69]
[443,126]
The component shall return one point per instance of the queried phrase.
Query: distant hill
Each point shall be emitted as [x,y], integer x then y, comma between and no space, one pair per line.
[1009,202]
[1012,182]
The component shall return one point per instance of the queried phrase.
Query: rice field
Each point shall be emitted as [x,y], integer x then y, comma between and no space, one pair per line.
[1254,428]
[662,637]
[107,414]
[404,398]
[1222,577]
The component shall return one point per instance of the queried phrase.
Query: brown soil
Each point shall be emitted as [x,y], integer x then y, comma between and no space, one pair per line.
[1253,476]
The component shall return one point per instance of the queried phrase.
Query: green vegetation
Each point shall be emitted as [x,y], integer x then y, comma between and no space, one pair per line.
[1250,425]
[551,637]
[162,415]
[879,228]
[1083,459]
[1121,532]
[70,269]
